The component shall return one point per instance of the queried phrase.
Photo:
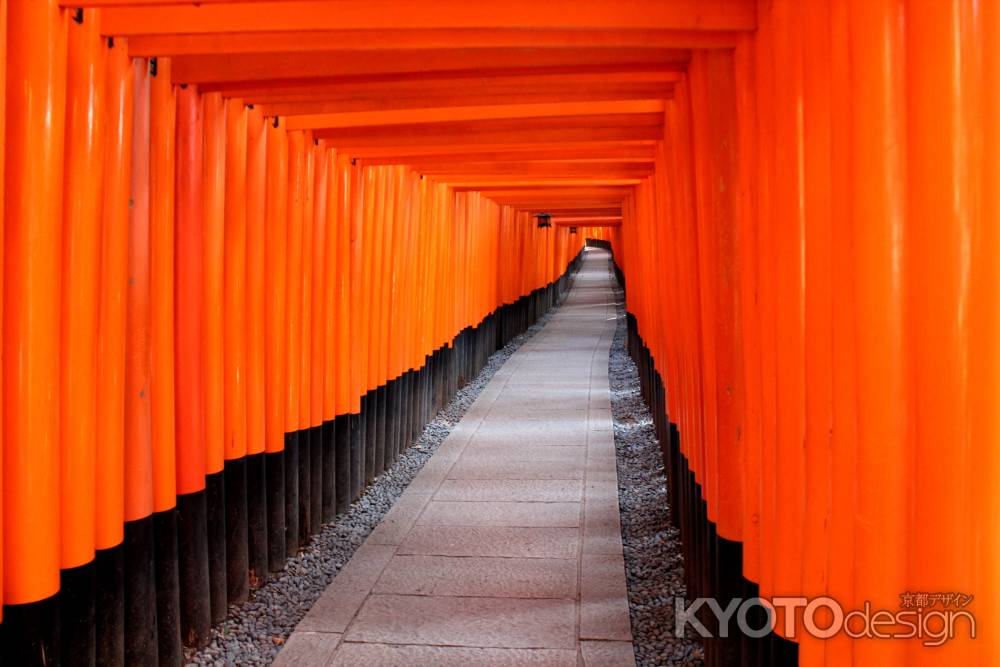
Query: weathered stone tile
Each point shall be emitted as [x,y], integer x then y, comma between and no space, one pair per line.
[511,490]
[398,521]
[530,515]
[404,655]
[501,541]
[478,576]
[604,598]
[307,649]
[607,654]
[474,467]
[466,621]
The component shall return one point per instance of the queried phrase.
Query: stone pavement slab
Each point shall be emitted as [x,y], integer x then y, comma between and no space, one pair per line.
[499,541]
[465,621]
[506,549]
[537,515]
[394,655]
[511,490]
[479,576]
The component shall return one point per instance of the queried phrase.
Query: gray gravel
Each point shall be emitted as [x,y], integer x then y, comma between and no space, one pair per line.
[654,566]
[254,632]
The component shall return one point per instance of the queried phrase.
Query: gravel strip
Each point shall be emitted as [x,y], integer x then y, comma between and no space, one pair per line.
[654,567]
[254,632]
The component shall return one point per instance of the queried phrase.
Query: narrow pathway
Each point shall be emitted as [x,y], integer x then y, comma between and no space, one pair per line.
[506,548]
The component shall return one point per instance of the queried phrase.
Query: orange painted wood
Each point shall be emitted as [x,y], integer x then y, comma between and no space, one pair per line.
[190,379]
[567,129]
[213,264]
[596,170]
[345,277]
[293,285]
[3,150]
[249,69]
[138,411]
[305,278]
[256,272]
[382,14]
[83,194]
[318,362]
[33,214]
[406,38]
[329,338]
[234,312]
[623,153]
[396,154]
[162,129]
[356,324]
[319,101]
[984,378]
[942,135]
[456,114]
[878,208]
[275,286]
[818,312]
[452,81]
[840,578]
[109,483]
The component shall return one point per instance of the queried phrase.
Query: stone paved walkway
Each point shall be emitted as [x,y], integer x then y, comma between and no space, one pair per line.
[506,548]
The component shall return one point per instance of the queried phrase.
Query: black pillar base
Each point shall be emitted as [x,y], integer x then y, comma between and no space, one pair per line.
[140,593]
[329,493]
[77,614]
[304,440]
[30,633]
[192,569]
[315,479]
[257,550]
[170,651]
[109,606]
[342,445]
[237,558]
[381,418]
[291,494]
[215,502]
[274,471]
[357,442]
[370,410]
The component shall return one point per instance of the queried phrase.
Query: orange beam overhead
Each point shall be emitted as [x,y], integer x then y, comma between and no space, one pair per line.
[291,66]
[564,212]
[300,104]
[588,221]
[462,172]
[558,194]
[549,202]
[608,202]
[496,79]
[561,193]
[446,171]
[483,112]
[585,225]
[456,129]
[485,183]
[222,17]
[402,153]
[615,153]
[352,140]
[546,202]
[378,40]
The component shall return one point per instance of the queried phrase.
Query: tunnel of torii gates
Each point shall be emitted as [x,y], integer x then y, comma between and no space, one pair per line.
[250,247]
